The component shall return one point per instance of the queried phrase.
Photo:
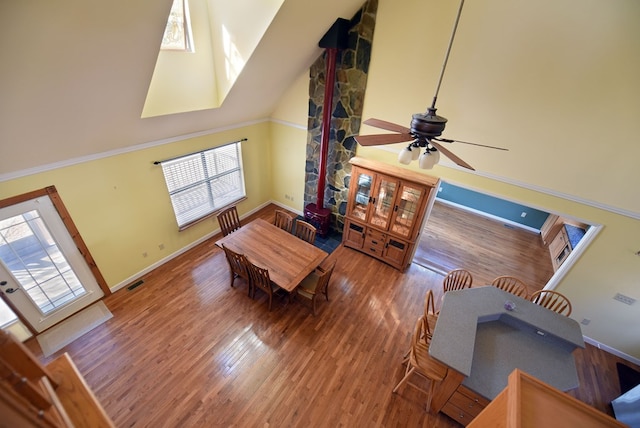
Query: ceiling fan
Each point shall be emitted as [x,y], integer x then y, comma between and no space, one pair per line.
[425,130]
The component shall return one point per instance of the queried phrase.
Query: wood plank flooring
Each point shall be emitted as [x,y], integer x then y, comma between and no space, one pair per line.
[455,238]
[185,349]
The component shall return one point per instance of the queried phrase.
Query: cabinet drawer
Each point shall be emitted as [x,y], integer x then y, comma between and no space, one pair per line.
[372,248]
[375,235]
[457,414]
[468,402]
[376,243]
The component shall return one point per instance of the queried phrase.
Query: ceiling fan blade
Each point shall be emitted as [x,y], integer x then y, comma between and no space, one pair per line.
[447,140]
[382,139]
[451,156]
[383,124]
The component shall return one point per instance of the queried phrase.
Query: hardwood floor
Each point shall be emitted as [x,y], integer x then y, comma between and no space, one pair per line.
[454,238]
[184,349]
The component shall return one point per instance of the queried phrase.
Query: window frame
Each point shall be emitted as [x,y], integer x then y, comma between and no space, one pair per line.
[202,175]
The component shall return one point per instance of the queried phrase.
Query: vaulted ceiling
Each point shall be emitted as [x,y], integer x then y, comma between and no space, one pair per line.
[75,75]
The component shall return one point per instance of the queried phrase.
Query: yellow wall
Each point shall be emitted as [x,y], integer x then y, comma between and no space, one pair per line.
[289,144]
[541,142]
[555,82]
[121,206]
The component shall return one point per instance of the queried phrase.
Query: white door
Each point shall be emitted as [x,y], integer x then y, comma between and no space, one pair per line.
[42,272]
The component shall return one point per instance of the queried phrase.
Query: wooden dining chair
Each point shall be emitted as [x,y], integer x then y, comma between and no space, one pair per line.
[315,284]
[512,285]
[305,231]
[228,220]
[431,316]
[238,266]
[260,279]
[283,220]
[552,300]
[457,279]
[420,362]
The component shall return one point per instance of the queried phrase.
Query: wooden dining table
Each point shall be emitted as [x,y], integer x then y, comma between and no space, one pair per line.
[288,258]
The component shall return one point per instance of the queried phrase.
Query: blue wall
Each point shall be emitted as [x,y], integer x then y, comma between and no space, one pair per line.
[492,205]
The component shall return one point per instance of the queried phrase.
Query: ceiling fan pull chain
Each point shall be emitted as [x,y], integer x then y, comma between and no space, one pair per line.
[446,57]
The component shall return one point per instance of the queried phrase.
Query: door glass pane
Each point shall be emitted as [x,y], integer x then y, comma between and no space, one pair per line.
[363,192]
[6,314]
[384,203]
[28,250]
[408,206]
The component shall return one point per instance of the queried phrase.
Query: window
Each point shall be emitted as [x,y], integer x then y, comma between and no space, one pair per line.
[204,182]
[177,34]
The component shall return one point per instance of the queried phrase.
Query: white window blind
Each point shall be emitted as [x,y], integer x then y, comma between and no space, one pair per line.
[204,182]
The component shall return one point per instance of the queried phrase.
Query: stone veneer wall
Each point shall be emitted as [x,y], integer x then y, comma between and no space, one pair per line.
[352,66]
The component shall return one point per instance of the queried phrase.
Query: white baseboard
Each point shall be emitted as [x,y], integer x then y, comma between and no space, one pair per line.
[611,350]
[140,274]
[491,216]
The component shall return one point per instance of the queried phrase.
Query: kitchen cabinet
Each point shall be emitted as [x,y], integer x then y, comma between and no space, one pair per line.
[386,210]
[559,248]
[464,405]
[561,237]
[550,228]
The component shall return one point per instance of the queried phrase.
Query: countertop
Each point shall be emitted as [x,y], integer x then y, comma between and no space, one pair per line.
[478,337]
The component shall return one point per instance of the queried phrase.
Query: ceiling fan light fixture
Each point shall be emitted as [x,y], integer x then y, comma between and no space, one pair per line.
[429,159]
[406,155]
[425,128]
[415,151]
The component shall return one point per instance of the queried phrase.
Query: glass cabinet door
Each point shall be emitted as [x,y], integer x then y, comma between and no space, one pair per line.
[406,210]
[385,193]
[363,183]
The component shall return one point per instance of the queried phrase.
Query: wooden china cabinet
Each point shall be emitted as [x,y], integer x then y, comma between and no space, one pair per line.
[387,207]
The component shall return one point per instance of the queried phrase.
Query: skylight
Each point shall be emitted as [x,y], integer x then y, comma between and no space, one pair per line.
[177,34]
[226,33]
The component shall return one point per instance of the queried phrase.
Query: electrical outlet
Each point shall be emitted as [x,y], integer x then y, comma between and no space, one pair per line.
[144,254]
[624,299]
[161,246]
[524,214]
[585,321]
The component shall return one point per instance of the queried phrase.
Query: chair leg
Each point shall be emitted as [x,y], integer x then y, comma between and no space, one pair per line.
[404,379]
[270,299]
[406,356]
[432,388]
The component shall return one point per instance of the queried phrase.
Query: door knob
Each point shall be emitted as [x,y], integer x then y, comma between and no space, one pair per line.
[11,290]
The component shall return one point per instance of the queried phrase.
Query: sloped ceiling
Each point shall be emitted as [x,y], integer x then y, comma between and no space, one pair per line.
[75,75]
